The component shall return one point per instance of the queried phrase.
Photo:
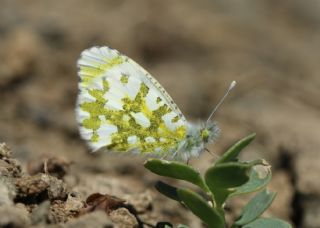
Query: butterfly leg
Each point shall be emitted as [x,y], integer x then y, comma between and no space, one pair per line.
[174,154]
[178,151]
[163,157]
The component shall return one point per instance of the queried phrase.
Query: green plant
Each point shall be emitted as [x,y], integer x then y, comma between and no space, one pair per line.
[227,178]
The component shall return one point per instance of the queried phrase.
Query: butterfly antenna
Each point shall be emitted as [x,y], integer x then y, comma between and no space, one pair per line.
[232,85]
[212,154]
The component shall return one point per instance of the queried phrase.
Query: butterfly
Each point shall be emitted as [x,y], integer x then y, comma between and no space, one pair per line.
[122,108]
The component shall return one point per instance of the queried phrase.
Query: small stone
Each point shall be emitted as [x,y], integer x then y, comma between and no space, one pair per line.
[57,213]
[5,151]
[57,188]
[40,187]
[123,218]
[9,167]
[74,203]
[31,185]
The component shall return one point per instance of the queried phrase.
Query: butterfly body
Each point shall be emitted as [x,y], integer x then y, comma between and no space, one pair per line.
[122,108]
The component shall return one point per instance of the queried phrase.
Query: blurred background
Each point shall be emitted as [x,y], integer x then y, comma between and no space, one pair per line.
[194,49]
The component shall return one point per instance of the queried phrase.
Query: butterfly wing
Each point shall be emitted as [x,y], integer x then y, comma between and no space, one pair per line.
[121,107]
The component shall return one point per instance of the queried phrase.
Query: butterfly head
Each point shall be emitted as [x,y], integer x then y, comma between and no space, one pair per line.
[198,136]
[207,134]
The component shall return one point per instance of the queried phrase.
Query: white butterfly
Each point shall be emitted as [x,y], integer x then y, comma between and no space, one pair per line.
[122,108]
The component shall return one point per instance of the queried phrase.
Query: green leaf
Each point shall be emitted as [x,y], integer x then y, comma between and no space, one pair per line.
[223,178]
[201,208]
[255,207]
[167,190]
[267,223]
[227,175]
[232,153]
[175,170]
[255,183]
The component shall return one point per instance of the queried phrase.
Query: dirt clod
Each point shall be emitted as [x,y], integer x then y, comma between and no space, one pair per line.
[57,213]
[9,167]
[123,218]
[37,188]
[5,151]
[74,203]
[42,199]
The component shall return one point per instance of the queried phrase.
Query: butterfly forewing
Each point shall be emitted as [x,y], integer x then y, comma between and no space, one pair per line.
[121,107]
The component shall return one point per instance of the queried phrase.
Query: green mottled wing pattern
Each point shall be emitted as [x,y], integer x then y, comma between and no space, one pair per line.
[122,108]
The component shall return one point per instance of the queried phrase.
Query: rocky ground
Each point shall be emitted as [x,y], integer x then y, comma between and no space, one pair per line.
[195,49]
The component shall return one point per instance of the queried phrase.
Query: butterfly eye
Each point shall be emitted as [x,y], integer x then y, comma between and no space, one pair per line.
[204,133]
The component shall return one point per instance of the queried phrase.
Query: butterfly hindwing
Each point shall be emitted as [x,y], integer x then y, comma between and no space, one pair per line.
[121,107]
